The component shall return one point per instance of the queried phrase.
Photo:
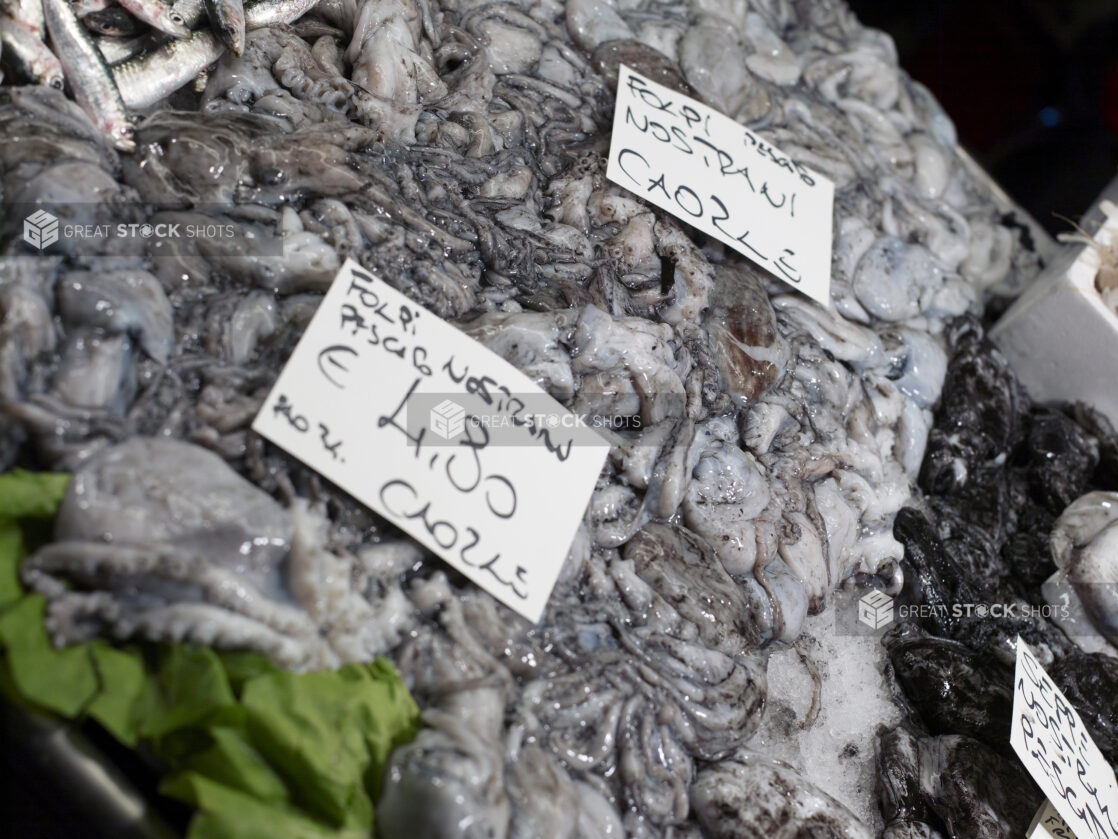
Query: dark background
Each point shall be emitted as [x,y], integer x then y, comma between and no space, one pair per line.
[1032,86]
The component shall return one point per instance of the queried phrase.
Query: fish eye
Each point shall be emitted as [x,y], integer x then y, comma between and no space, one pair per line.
[177,18]
[127,131]
[56,84]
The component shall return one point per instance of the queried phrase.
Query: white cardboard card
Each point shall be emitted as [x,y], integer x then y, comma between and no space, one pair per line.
[439,435]
[721,178]
[1050,739]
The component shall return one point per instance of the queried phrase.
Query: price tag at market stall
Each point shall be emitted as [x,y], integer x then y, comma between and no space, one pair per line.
[1049,824]
[1052,742]
[439,435]
[723,179]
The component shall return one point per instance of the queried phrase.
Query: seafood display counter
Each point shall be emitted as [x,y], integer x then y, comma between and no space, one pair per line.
[786,595]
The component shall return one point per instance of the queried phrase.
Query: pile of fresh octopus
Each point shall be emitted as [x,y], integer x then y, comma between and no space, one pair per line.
[457,149]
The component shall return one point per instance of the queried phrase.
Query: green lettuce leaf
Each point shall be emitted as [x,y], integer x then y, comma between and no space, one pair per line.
[121,683]
[27,495]
[228,813]
[62,681]
[259,751]
[11,550]
[232,761]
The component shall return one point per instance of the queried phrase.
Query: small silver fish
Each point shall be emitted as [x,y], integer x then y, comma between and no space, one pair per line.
[27,55]
[112,21]
[157,14]
[88,74]
[227,19]
[145,80]
[27,12]
[115,50]
[266,12]
[258,13]
[84,7]
[190,11]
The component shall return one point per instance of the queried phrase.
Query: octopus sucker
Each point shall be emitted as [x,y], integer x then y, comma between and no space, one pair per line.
[763,447]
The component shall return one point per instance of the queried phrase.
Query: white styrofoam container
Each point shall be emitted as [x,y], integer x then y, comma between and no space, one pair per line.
[1060,337]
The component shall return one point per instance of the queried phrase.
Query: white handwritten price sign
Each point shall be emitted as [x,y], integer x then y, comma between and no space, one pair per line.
[439,435]
[721,178]
[1049,824]
[1051,740]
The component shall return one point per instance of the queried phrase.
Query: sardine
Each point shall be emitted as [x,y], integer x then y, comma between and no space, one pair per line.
[26,53]
[159,15]
[112,21]
[227,19]
[27,12]
[88,74]
[258,13]
[117,50]
[191,11]
[145,80]
[266,12]
[84,7]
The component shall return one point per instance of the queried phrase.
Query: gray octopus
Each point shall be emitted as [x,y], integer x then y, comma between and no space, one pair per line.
[457,148]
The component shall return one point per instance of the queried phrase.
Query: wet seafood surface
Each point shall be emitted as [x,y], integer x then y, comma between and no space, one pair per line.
[458,149]
[1018,507]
